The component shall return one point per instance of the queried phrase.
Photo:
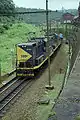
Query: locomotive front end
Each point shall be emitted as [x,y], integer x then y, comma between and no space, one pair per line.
[25,59]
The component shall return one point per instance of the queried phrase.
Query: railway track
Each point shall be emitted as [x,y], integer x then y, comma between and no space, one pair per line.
[7,85]
[10,91]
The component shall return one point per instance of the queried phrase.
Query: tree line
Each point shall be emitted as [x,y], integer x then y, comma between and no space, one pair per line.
[6,6]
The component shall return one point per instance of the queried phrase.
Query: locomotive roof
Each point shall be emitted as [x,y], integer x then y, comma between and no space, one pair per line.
[28,43]
[38,38]
[31,42]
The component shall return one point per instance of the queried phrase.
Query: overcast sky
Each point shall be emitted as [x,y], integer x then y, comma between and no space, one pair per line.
[53,4]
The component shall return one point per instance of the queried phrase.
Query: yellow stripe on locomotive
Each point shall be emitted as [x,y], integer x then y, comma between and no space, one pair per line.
[22,55]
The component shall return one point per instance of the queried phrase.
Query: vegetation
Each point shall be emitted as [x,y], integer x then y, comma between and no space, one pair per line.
[6,6]
[17,33]
[78,117]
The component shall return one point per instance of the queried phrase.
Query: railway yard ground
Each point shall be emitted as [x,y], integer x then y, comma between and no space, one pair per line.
[27,106]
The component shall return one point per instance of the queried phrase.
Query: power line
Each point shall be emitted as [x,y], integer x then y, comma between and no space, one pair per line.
[16,13]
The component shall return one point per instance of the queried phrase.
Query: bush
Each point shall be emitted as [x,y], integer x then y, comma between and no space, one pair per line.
[78,117]
[10,24]
[6,26]
[2,29]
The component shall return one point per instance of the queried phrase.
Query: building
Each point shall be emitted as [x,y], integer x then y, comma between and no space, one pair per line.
[67,17]
[76,20]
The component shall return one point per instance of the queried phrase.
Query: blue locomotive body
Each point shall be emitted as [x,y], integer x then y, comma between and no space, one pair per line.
[33,54]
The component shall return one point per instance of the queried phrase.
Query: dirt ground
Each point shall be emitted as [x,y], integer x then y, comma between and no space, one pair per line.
[25,108]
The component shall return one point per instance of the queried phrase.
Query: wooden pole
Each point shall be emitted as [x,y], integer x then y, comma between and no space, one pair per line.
[48,51]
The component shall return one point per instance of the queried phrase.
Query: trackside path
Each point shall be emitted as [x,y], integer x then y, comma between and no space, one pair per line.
[68,105]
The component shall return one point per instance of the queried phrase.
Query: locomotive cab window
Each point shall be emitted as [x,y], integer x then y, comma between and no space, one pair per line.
[28,47]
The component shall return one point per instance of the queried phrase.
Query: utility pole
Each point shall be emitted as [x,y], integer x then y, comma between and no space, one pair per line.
[57,27]
[50,21]
[69,44]
[66,30]
[48,50]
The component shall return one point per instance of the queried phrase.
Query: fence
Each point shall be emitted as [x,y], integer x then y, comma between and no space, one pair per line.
[74,44]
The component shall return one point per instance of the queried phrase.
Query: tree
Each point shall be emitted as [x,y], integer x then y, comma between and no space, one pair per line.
[7,6]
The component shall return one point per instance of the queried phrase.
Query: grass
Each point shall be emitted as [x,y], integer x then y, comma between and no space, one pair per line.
[78,117]
[44,111]
[18,33]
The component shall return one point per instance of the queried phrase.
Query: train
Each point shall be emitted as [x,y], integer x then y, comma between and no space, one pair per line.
[31,55]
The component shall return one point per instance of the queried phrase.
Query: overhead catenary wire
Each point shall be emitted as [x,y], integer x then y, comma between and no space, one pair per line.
[27,12]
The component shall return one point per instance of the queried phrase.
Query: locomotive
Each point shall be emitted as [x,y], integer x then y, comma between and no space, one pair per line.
[33,54]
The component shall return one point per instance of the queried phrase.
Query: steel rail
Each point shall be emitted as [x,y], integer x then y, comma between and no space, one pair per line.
[7,84]
[7,99]
[6,90]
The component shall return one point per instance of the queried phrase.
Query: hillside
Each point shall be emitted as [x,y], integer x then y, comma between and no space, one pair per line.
[16,34]
[39,18]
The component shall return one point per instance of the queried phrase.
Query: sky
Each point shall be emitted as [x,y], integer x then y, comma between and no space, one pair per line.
[53,4]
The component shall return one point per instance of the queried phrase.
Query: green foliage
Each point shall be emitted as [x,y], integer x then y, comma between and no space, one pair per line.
[6,26]
[17,33]
[2,29]
[6,20]
[78,117]
[7,6]
[52,113]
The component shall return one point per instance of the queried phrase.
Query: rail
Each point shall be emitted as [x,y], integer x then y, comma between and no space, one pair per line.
[11,92]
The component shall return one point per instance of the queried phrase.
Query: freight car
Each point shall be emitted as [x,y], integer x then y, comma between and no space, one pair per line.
[33,54]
